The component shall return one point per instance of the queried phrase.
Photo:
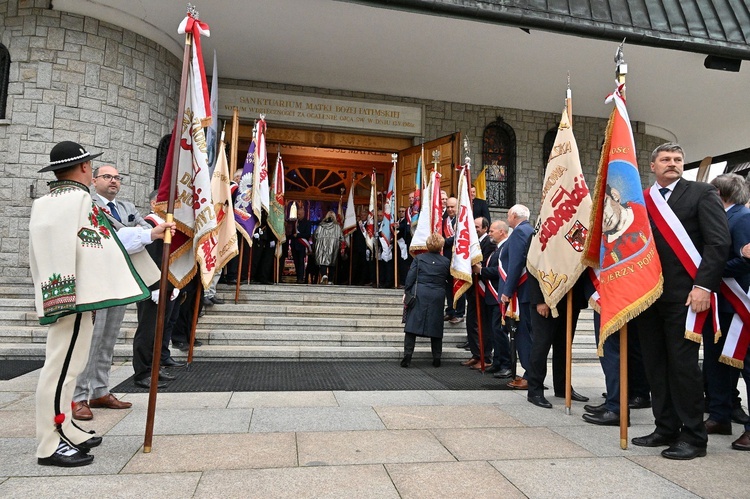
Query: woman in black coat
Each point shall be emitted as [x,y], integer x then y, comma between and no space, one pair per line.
[427,278]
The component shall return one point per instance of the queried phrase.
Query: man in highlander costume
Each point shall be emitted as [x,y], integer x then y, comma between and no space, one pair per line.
[79,264]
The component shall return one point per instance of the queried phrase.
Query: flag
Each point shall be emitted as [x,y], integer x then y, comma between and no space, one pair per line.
[276,213]
[466,250]
[480,184]
[261,195]
[556,248]
[620,240]
[414,209]
[193,210]
[370,225]
[244,217]
[386,227]
[223,245]
[350,219]
[212,132]
[430,207]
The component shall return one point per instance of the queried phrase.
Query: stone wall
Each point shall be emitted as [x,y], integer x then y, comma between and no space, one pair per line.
[80,79]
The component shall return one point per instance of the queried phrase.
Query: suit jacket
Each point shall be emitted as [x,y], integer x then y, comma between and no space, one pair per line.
[491,273]
[480,209]
[129,214]
[738,218]
[699,209]
[448,246]
[487,247]
[513,258]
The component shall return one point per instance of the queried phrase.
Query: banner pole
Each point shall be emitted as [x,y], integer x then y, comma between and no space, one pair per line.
[239,272]
[624,415]
[569,352]
[194,324]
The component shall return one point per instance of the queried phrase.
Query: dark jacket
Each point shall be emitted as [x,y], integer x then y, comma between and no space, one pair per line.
[425,317]
[738,218]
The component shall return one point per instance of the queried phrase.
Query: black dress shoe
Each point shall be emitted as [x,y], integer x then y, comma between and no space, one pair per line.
[493,369]
[539,401]
[146,383]
[406,361]
[607,418]
[207,302]
[89,444]
[218,301]
[639,403]
[170,362]
[683,451]
[165,376]
[739,416]
[596,409]
[179,345]
[574,395]
[231,281]
[463,345]
[654,440]
[503,374]
[66,457]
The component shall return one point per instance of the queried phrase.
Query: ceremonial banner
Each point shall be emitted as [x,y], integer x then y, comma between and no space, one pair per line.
[212,132]
[620,241]
[413,212]
[244,217]
[430,206]
[370,224]
[386,227]
[261,195]
[350,219]
[276,213]
[223,245]
[560,233]
[193,210]
[466,250]
[480,184]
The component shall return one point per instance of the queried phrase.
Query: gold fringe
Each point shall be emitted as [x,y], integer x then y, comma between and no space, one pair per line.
[629,313]
[730,361]
[461,291]
[717,336]
[689,335]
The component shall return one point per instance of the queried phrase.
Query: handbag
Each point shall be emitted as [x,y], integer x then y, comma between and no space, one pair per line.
[410,298]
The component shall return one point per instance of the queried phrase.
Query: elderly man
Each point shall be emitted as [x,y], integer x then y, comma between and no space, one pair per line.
[79,264]
[670,355]
[488,246]
[92,386]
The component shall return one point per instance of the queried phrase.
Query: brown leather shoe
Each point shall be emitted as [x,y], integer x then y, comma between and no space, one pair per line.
[478,366]
[716,428]
[109,401]
[519,384]
[81,411]
[470,362]
[742,443]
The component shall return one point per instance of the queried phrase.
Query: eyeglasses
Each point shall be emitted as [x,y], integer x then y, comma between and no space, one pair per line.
[109,177]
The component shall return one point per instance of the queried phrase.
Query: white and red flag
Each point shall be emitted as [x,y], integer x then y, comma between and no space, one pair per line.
[466,250]
[261,195]
[350,218]
[554,257]
[370,224]
[193,209]
[430,216]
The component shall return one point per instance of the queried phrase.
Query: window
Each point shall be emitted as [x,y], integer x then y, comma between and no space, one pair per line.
[4,79]
[499,159]
[161,158]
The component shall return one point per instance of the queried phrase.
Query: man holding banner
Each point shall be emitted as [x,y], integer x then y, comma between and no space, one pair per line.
[692,242]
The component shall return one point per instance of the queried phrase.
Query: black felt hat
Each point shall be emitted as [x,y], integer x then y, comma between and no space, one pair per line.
[66,154]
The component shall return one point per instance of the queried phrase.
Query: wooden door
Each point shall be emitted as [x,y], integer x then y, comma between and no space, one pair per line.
[450,155]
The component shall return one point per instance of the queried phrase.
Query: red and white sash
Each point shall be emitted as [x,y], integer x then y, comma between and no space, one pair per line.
[738,336]
[513,307]
[448,230]
[678,239]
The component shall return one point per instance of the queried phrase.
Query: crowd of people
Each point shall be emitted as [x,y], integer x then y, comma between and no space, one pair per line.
[664,369]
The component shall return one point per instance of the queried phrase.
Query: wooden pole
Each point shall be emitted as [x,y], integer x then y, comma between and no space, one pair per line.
[239,272]
[163,296]
[569,352]
[194,324]
[624,415]
[235,138]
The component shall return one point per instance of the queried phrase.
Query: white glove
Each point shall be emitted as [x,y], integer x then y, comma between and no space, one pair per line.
[272,244]
[367,254]
[175,294]
[256,235]
[155,296]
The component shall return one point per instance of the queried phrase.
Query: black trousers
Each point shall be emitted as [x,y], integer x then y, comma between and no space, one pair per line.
[298,255]
[143,341]
[720,378]
[410,341]
[546,333]
[671,363]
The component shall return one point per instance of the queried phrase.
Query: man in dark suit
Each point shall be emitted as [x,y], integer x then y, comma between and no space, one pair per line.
[671,359]
[301,244]
[482,225]
[479,206]
[513,260]
[721,379]
[403,237]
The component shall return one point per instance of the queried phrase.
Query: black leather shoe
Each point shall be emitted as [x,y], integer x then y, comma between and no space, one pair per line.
[146,383]
[739,416]
[683,451]
[218,301]
[595,409]
[435,362]
[406,361]
[503,374]
[207,302]
[574,395]
[654,440]
[463,345]
[716,428]
[89,444]
[66,457]
[607,418]
[493,369]
[639,403]
[165,376]
[170,362]
[539,401]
